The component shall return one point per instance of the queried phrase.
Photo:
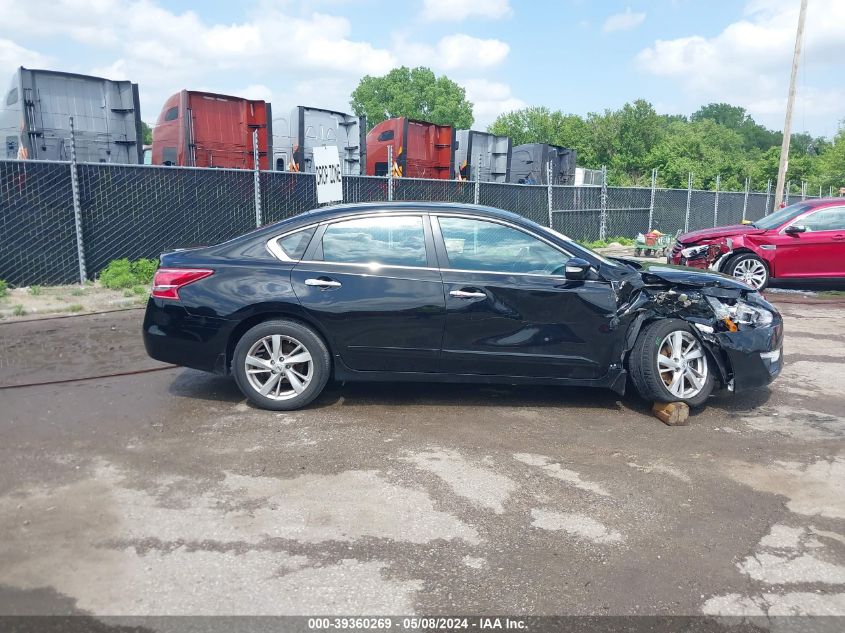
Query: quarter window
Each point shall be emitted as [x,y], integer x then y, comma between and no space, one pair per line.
[172,114]
[396,241]
[387,135]
[491,247]
[293,246]
[830,219]
[12,97]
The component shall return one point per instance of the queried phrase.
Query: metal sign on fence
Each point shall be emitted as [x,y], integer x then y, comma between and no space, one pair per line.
[328,173]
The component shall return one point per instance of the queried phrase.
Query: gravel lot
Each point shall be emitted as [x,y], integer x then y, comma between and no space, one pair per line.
[165,493]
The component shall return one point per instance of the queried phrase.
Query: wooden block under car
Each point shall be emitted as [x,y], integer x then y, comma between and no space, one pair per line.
[671,413]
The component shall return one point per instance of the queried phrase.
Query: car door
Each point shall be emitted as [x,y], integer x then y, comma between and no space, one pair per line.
[819,251]
[509,309]
[372,284]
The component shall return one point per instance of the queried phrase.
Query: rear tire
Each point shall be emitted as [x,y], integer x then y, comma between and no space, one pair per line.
[281,365]
[669,364]
[749,268]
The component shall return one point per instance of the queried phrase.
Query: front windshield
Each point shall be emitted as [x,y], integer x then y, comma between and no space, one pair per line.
[569,240]
[782,215]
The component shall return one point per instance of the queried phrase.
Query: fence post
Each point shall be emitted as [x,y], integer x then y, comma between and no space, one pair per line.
[716,202]
[689,202]
[803,190]
[745,201]
[603,199]
[651,204]
[786,195]
[768,196]
[389,173]
[77,207]
[476,196]
[549,191]
[256,174]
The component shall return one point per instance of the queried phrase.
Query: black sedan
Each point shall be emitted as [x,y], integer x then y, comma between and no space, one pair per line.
[450,293]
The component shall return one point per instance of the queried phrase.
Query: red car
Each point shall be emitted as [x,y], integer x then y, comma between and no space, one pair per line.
[802,241]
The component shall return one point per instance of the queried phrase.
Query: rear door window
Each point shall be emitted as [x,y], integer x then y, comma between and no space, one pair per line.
[292,247]
[389,241]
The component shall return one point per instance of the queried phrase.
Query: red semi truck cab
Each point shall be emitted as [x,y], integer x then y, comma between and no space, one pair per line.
[420,149]
[201,129]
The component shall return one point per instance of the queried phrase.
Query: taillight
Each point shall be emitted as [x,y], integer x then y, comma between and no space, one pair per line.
[168,281]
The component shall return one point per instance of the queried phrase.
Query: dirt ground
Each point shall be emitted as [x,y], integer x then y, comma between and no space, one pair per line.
[164,492]
[34,302]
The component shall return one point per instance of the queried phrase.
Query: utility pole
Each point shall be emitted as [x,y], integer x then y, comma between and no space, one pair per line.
[787,124]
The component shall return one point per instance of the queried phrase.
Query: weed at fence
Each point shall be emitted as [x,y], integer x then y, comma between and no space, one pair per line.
[4,288]
[122,273]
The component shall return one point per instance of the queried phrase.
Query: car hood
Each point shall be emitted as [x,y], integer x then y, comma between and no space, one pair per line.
[719,231]
[685,276]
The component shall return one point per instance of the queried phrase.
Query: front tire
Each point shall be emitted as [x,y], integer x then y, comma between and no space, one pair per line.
[281,365]
[668,363]
[749,268]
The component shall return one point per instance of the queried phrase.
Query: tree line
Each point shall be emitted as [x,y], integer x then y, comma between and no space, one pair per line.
[718,139]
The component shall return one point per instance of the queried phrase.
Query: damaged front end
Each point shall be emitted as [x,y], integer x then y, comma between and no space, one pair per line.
[741,331]
[705,256]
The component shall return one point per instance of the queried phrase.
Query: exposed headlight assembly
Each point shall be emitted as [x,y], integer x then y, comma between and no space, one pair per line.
[740,313]
[694,252]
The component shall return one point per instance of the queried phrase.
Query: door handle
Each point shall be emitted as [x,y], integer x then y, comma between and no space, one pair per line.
[323,283]
[463,294]
[839,237]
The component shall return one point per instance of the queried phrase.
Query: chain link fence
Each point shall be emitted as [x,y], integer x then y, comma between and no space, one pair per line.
[141,211]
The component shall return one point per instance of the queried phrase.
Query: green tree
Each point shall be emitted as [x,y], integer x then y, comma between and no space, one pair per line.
[703,147]
[412,92]
[146,134]
[736,118]
[541,125]
[830,164]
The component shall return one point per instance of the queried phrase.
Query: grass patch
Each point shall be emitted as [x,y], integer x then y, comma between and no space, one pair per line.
[35,290]
[78,292]
[123,274]
[75,307]
[18,310]
[832,293]
[4,288]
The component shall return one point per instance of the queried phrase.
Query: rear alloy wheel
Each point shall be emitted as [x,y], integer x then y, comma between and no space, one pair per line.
[281,365]
[750,269]
[669,364]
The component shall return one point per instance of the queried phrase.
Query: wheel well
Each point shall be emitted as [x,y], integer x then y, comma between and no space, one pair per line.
[241,328]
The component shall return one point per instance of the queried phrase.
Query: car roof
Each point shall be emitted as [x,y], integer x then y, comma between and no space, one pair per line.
[822,202]
[326,213]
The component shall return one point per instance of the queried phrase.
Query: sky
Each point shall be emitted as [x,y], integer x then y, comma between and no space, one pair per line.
[578,56]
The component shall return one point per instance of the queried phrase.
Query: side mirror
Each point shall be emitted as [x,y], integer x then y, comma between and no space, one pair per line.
[795,229]
[577,269]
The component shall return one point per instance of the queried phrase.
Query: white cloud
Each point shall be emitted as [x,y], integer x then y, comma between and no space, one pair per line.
[490,99]
[13,55]
[165,51]
[623,21]
[458,10]
[452,52]
[748,63]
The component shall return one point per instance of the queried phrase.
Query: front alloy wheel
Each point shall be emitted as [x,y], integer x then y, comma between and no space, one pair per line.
[668,363]
[682,365]
[750,269]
